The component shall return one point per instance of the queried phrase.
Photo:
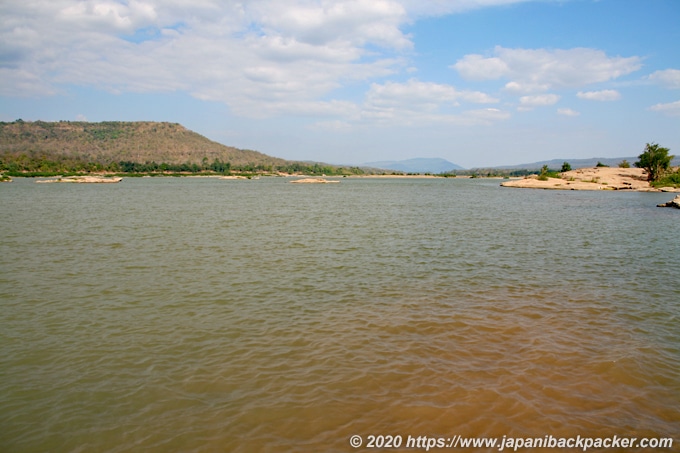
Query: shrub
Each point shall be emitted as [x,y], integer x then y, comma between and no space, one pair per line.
[655,160]
[547,173]
[624,164]
[668,180]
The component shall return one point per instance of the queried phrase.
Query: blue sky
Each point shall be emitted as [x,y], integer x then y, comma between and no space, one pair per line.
[476,82]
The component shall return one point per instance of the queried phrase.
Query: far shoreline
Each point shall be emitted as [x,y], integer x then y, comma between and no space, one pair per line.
[590,179]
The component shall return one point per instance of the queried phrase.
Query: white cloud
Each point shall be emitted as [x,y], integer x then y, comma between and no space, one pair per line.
[353,21]
[568,112]
[412,92]
[604,95]
[522,87]
[477,97]
[537,100]
[671,108]
[537,70]
[477,67]
[271,57]
[416,102]
[668,78]
[419,95]
[263,57]
[108,15]
[24,82]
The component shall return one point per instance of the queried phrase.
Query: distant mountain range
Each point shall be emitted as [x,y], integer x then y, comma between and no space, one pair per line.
[556,164]
[416,165]
[437,165]
[141,142]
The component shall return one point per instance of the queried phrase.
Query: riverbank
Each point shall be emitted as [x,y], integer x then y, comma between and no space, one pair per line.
[596,178]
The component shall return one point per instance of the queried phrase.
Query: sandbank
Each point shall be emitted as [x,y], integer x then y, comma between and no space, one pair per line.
[595,178]
[313,181]
[83,179]
[395,176]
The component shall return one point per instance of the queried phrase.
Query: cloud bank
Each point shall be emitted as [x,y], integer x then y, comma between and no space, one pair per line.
[539,70]
[267,58]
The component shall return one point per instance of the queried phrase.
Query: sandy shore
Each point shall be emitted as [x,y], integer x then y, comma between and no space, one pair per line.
[397,176]
[596,178]
[83,179]
[314,181]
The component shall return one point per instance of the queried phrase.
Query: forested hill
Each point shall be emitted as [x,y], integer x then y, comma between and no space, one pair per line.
[106,143]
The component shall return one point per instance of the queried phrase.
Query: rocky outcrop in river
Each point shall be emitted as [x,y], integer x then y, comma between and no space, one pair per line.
[674,203]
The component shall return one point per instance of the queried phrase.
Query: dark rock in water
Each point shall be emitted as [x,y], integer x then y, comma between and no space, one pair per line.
[674,203]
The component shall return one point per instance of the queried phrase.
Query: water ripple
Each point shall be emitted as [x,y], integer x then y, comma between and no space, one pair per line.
[203,315]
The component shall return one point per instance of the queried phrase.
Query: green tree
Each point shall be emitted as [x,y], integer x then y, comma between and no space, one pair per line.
[565,167]
[655,160]
[624,164]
